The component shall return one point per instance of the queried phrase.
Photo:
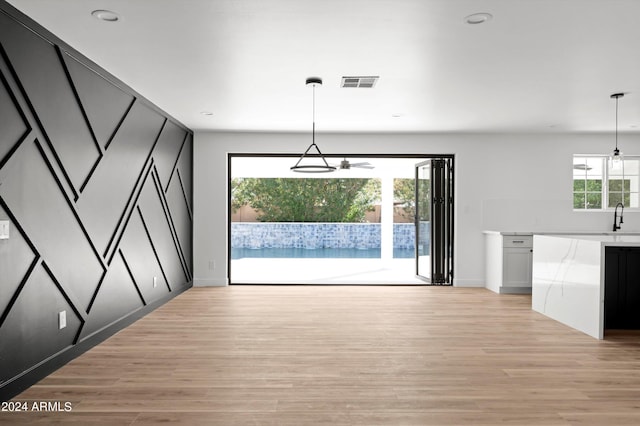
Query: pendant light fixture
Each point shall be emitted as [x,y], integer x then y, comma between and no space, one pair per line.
[616,156]
[318,166]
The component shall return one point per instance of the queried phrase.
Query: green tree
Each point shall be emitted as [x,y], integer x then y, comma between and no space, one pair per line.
[587,194]
[306,199]
[404,196]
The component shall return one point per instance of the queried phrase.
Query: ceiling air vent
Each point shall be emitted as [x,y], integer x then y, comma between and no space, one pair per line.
[361,82]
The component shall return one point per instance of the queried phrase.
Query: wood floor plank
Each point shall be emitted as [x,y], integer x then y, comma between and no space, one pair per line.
[315,355]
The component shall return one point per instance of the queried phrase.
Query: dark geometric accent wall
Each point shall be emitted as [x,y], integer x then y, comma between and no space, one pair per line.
[96,184]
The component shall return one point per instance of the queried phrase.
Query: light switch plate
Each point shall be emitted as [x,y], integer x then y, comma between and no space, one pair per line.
[62,319]
[4,229]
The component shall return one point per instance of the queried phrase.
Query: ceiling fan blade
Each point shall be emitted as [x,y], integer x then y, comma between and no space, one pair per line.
[346,165]
[364,165]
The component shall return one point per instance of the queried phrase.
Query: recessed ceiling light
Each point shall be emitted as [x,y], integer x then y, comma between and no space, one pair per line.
[478,18]
[206,113]
[396,115]
[106,15]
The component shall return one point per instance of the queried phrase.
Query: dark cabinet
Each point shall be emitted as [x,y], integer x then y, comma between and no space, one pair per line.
[622,288]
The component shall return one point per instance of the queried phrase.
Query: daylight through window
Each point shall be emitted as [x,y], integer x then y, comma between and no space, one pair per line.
[600,184]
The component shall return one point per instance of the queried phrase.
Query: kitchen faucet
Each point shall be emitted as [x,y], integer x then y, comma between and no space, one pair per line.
[616,224]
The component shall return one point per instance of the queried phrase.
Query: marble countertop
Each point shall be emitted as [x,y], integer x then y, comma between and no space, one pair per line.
[515,233]
[568,277]
[605,238]
[565,233]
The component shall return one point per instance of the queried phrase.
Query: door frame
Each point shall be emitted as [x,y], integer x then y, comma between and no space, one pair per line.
[416,156]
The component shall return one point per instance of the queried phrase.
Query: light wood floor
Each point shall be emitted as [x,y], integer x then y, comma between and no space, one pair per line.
[301,355]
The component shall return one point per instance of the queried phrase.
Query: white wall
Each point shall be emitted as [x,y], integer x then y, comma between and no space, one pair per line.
[519,182]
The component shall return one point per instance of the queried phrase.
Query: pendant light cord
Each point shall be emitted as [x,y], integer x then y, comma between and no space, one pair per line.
[617,97]
[313,115]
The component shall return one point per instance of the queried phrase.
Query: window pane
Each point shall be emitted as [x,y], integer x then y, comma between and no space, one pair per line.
[595,166]
[615,198]
[594,185]
[580,167]
[594,201]
[578,185]
[578,201]
[615,185]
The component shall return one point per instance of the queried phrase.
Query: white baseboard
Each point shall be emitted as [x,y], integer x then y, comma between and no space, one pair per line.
[199,282]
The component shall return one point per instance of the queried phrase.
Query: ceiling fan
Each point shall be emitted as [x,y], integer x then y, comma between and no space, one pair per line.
[346,165]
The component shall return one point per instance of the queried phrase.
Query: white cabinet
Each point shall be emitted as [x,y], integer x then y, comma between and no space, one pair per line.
[508,262]
[517,267]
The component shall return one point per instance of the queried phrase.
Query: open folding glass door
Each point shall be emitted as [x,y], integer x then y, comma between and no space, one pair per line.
[434,221]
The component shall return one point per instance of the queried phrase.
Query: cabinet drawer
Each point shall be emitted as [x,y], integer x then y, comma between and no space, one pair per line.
[517,241]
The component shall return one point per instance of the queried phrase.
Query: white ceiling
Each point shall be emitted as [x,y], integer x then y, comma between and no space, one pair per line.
[537,66]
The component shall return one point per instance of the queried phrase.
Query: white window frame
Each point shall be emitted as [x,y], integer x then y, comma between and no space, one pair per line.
[605,182]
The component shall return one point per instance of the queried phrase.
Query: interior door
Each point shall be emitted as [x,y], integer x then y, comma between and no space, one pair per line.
[434,221]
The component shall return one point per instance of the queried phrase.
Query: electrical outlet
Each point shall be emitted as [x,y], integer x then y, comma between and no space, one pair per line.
[4,229]
[62,319]
[155,282]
